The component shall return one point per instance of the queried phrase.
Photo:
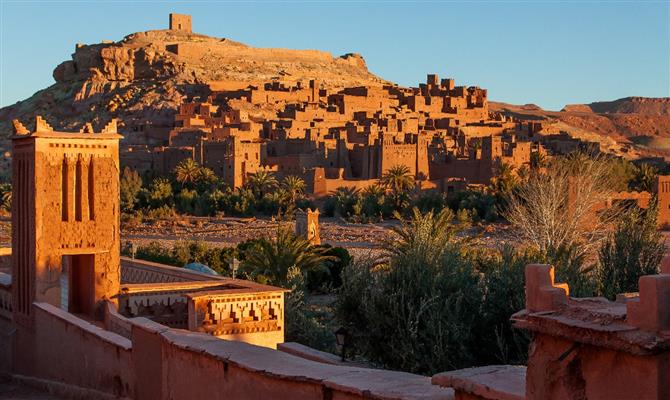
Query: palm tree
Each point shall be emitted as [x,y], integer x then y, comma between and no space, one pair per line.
[295,187]
[187,172]
[206,178]
[261,182]
[423,236]
[373,201]
[504,180]
[399,181]
[345,198]
[538,160]
[645,178]
[270,260]
[375,191]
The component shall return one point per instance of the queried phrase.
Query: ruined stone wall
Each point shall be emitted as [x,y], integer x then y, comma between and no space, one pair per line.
[592,372]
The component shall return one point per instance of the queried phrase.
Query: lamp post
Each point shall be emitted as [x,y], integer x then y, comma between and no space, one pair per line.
[341,337]
[234,264]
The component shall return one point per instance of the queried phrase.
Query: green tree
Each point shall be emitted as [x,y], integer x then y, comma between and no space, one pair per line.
[261,182]
[634,249]
[399,182]
[419,312]
[160,193]
[6,196]
[294,186]
[423,235]
[130,186]
[504,180]
[345,198]
[645,178]
[270,259]
[206,180]
[187,172]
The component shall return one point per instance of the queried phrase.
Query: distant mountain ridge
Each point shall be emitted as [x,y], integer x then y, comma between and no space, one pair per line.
[631,126]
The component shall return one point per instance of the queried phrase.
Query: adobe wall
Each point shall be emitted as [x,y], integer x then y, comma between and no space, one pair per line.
[186,365]
[67,349]
[557,369]
[160,363]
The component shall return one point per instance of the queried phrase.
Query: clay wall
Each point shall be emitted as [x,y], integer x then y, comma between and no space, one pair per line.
[598,373]
[473,171]
[185,365]
[64,348]
[138,158]
[135,271]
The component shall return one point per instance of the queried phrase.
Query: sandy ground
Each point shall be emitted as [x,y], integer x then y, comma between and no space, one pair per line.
[359,239]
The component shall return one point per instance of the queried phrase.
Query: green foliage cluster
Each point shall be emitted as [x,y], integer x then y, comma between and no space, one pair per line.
[439,303]
[396,193]
[196,190]
[635,248]
[265,260]
[436,304]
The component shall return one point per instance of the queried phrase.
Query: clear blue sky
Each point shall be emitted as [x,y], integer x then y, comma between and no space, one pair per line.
[547,53]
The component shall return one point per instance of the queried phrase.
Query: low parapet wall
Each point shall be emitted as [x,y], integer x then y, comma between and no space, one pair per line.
[153,361]
[189,365]
[65,349]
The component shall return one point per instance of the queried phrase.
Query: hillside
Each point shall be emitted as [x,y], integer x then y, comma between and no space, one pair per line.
[632,126]
[145,76]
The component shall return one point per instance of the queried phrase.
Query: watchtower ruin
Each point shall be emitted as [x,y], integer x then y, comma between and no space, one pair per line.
[65,218]
[307,225]
[180,22]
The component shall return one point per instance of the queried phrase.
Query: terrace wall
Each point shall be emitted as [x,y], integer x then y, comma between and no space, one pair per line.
[157,362]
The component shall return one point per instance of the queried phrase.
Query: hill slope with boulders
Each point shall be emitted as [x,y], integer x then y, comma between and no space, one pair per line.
[145,76]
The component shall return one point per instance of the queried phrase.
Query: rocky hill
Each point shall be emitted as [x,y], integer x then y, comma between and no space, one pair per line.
[632,126]
[145,76]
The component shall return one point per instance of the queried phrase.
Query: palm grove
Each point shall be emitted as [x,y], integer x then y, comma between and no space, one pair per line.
[436,300]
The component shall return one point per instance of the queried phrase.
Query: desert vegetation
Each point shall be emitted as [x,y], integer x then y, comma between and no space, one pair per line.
[195,190]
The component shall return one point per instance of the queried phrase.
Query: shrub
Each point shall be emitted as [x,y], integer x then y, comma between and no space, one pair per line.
[163,212]
[635,248]
[153,251]
[269,259]
[304,325]
[130,186]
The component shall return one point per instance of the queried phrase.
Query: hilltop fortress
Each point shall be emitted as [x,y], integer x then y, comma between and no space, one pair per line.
[238,110]
[331,133]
